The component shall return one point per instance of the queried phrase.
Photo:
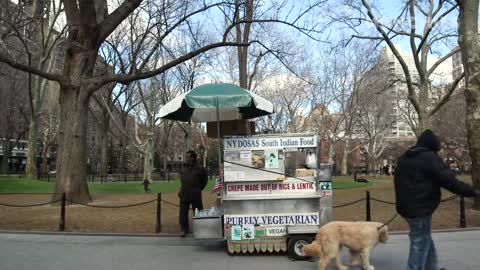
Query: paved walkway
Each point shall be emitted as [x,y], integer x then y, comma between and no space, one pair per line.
[458,251]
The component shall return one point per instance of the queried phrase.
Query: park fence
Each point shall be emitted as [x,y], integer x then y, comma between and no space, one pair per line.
[367,200]
[117,177]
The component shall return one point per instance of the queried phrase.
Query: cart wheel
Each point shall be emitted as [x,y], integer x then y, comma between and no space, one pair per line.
[295,246]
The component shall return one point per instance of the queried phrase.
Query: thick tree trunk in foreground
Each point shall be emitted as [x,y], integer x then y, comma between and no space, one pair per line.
[72,157]
[470,45]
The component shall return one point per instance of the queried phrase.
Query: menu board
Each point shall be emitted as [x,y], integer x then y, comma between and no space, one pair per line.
[269,158]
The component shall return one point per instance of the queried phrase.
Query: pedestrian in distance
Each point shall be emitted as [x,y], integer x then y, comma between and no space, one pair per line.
[146,185]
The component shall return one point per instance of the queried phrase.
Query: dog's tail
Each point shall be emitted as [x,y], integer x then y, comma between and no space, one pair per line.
[383,234]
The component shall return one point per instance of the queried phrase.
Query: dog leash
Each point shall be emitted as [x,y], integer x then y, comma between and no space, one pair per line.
[388,222]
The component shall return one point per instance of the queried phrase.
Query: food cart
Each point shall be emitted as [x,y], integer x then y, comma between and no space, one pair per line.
[275,195]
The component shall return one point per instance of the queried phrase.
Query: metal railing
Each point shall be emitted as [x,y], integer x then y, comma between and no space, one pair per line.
[367,199]
[63,208]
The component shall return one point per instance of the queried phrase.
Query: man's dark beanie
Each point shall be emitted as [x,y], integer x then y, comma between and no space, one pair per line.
[429,140]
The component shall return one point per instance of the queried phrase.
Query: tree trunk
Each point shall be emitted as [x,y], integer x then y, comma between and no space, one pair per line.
[6,146]
[372,166]
[47,142]
[148,163]
[470,45]
[44,167]
[472,96]
[72,144]
[31,169]
[165,162]
[422,122]
[243,35]
[105,125]
[344,166]
[149,153]
[331,151]
[123,145]
[121,159]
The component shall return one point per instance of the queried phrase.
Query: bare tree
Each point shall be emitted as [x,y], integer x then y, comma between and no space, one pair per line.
[34,28]
[374,121]
[88,25]
[470,46]
[434,36]
[343,78]
[14,120]
[49,127]
[449,124]
[374,112]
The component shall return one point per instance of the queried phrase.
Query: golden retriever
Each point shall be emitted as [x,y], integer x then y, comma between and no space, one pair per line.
[359,237]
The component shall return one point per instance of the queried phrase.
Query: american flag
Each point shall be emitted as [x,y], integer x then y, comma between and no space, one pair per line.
[218,185]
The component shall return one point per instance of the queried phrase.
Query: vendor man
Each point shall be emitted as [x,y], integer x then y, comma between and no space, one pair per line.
[193,179]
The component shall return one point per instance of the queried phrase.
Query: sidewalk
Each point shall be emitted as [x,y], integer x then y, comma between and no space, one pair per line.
[457,251]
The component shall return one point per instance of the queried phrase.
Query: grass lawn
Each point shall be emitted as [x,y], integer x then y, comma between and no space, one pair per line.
[26,185]
[345,183]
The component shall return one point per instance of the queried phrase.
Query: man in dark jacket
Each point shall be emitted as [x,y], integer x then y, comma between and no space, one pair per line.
[419,175]
[193,179]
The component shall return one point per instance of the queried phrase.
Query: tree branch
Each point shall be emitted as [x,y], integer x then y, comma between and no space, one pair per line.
[114,19]
[413,46]
[447,95]
[441,60]
[125,79]
[434,23]
[49,76]
[72,14]
[103,102]
[408,77]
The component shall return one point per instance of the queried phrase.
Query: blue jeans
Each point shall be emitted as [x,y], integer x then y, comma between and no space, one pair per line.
[423,255]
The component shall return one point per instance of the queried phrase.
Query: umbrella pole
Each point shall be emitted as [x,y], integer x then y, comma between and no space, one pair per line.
[219,144]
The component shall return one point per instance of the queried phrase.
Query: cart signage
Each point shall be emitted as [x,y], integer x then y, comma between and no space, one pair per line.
[273,219]
[269,143]
[267,188]
[325,189]
[276,231]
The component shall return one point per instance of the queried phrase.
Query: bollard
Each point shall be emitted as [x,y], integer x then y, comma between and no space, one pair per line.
[368,207]
[159,213]
[463,220]
[62,213]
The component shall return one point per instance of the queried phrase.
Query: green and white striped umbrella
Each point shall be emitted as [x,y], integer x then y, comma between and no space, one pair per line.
[216,102]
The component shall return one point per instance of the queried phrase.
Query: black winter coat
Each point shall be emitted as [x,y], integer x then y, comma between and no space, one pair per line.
[419,175]
[193,179]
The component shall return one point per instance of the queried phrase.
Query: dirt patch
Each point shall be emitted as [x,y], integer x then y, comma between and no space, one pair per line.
[141,219]
[79,218]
